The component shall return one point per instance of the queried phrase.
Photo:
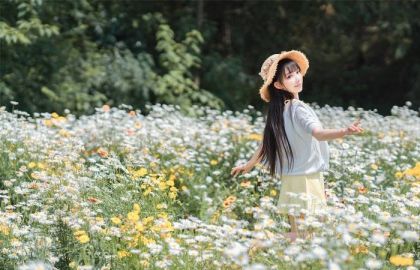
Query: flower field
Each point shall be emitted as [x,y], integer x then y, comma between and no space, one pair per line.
[121,190]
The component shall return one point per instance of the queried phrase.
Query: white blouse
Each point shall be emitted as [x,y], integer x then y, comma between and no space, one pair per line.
[310,155]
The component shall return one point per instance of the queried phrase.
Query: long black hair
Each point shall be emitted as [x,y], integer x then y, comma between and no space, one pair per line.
[275,143]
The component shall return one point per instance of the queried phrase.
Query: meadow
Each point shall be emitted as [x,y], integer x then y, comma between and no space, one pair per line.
[121,190]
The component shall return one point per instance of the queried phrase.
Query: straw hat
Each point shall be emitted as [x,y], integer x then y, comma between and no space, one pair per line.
[268,68]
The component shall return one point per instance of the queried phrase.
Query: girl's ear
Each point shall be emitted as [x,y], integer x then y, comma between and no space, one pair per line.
[278,85]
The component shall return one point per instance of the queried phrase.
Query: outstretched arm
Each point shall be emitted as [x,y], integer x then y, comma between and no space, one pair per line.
[254,159]
[249,165]
[330,134]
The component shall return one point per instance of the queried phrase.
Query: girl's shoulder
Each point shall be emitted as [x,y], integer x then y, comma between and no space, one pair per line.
[300,108]
[289,101]
[295,102]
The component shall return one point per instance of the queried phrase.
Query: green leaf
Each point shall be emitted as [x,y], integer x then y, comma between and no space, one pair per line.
[23,39]
[49,93]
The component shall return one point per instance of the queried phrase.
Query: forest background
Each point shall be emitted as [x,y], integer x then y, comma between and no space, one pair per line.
[81,54]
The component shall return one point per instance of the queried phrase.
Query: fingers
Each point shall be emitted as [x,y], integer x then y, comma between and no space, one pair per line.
[235,171]
[355,129]
[352,128]
[355,126]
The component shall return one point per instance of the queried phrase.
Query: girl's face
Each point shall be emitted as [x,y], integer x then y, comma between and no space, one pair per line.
[292,80]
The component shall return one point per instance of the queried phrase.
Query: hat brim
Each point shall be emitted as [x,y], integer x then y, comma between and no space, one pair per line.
[294,55]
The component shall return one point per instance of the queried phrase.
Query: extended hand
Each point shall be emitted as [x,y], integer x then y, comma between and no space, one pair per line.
[238,169]
[354,128]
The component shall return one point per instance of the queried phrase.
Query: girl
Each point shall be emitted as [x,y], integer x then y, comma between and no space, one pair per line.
[293,136]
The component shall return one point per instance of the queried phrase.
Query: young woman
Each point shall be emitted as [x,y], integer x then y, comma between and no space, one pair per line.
[293,138]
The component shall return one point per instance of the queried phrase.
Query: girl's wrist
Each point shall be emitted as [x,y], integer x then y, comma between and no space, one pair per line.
[344,131]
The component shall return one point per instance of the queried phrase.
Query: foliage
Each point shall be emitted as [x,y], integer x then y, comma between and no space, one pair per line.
[70,70]
[80,54]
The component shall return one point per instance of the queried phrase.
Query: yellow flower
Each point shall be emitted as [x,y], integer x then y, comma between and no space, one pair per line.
[15,241]
[162,185]
[273,192]
[72,264]
[133,216]
[137,124]
[165,235]
[35,175]
[161,205]
[374,166]
[401,261]
[105,231]
[62,119]
[415,171]
[245,184]
[362,189]
[163,215]
[83,238]
[31,165]
[154,179]
[146,220]
[116,220]
[146,240]
[123,253]
[102,152]
[141,172]
[215,216]
[79,233]
[184,188]
[172,195]
[360,249]
[166,225]
[147,191]
[140,227]
[398,175]
[144,263]
[213,162]
[229,200]
[255,136]
[136,208]
[99,219]
[64,133]
[48,122]
[41,165]
[4,229]
[54,115]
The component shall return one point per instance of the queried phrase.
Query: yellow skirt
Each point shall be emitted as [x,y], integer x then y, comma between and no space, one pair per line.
[299,192]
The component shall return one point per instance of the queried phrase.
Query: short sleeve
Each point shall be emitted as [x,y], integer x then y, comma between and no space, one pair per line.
[306,119]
